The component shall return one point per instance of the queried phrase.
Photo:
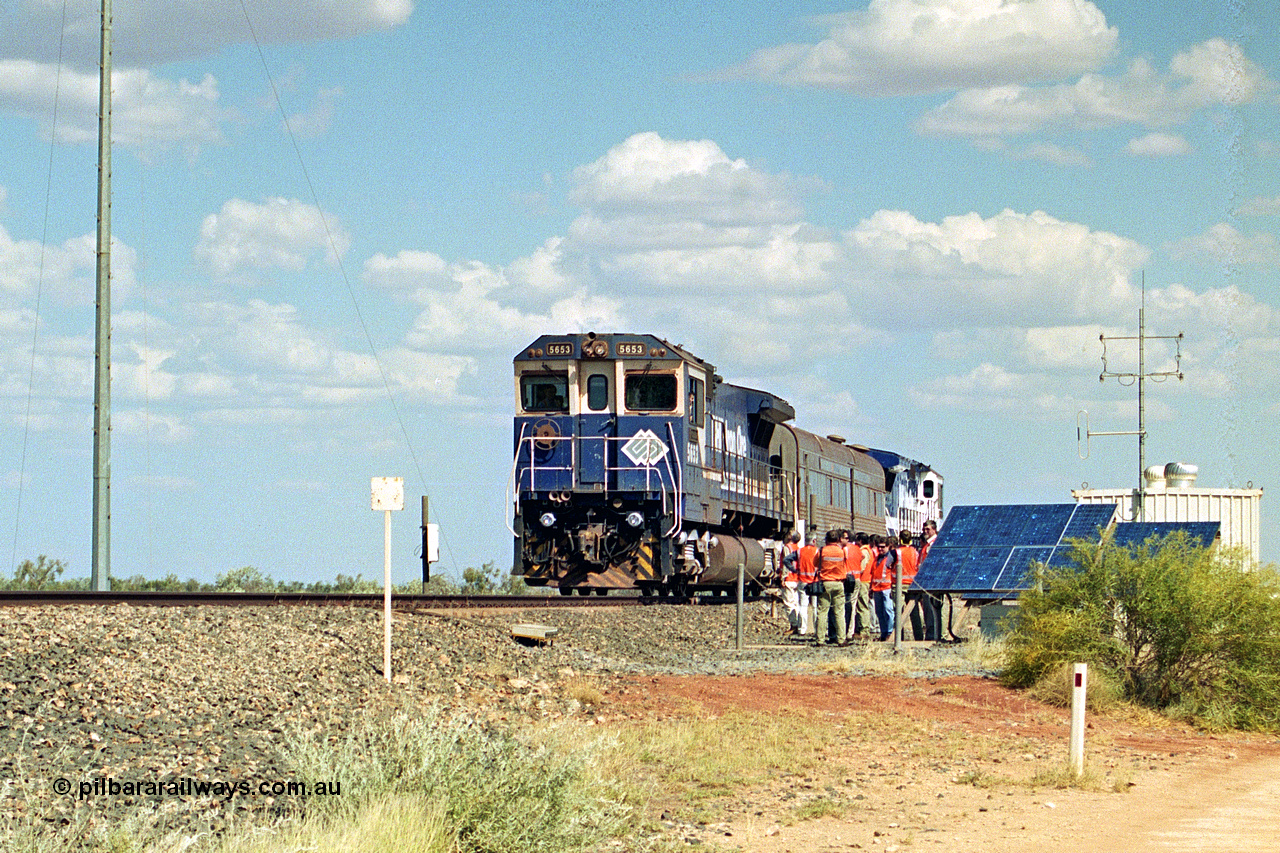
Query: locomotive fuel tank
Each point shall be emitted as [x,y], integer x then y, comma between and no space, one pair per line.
[723,556]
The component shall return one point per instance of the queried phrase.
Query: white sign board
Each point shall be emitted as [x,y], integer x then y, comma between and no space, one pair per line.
[388,493]
[433,543]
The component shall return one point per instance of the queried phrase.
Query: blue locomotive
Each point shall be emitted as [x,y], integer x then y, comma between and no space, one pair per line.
[637,467]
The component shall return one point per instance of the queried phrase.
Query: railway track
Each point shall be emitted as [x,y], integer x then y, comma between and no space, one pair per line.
[28,598]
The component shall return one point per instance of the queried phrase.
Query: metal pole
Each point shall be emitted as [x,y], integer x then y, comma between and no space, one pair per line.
[386,597]
[100,575]
[741,572]
[897,604]
[1141,514]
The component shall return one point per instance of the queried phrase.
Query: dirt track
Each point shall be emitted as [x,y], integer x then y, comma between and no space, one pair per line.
[945,764]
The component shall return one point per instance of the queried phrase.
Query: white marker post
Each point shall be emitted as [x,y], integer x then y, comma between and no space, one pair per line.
[388,496]
[1078,696]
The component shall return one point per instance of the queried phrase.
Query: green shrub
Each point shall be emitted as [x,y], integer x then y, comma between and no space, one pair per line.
[1181,628]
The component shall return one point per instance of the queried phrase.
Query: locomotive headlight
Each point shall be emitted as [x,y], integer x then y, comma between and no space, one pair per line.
[635,519]
[548,519]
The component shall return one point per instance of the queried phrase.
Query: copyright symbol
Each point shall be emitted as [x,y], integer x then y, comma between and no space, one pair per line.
[61,786]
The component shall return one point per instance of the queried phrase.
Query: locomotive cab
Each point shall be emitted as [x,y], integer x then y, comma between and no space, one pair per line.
[597,474]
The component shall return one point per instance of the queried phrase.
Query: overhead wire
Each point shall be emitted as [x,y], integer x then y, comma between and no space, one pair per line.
[35,320]
[346,280]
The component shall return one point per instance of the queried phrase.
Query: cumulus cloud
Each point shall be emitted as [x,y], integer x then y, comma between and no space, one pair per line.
[279,233]
[1009,266]
[896,47]
[65,272]
[148,113]
[1158,145]
[1225,244]
[1211,73]
[647,178]
[472,306]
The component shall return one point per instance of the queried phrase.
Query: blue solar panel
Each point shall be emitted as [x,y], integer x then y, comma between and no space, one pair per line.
[1135,533]
[993,548]
[1087,520]
[1017,572]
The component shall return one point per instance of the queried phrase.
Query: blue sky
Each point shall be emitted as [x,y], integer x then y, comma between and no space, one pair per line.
[910,219]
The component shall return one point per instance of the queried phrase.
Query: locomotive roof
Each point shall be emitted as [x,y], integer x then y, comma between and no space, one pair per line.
[892,459]
[577,339]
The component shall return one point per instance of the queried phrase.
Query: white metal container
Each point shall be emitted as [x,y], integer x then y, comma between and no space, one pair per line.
[1237,510]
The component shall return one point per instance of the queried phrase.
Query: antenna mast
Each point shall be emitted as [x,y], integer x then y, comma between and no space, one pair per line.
[101,574]
[1140,378]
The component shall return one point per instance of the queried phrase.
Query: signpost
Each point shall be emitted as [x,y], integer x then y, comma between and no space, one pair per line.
[388,496]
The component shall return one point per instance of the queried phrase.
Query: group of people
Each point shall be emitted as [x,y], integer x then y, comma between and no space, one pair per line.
[849,579]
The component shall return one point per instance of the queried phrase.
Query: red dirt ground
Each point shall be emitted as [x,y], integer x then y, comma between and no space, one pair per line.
[1180,789]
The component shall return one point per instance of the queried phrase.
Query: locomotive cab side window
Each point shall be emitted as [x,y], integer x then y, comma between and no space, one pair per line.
[650,392]
[597,392]
[544,392]
[697,401]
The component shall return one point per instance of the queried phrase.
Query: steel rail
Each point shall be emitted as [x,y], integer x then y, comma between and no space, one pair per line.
[39,598]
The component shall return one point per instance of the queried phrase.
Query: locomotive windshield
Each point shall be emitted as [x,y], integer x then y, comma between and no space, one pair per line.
[651,392]
[545,393]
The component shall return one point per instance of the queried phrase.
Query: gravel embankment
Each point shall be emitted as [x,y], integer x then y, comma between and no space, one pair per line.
[90,694]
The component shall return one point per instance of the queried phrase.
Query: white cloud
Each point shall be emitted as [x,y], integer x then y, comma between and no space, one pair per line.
[1209,74]
[1012,266]
[148,113]
[279,233]
[1225,244]
[315,123]
[647,176]
[1158,145]
[469,307]
[66,272]
[916,46]
[1261,206]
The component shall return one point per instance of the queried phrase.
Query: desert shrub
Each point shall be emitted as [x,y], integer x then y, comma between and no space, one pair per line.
[1057,686]
[1181,628]
[493,791]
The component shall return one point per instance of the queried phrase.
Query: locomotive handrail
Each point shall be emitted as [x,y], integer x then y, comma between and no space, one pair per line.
[511,482]
[533,468]
[678,486]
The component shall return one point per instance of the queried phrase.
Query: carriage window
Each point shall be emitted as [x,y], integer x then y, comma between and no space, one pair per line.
[597,392]
[651,392]
[545,393]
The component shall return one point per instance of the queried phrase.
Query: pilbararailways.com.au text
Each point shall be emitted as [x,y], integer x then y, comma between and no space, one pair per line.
[187,787]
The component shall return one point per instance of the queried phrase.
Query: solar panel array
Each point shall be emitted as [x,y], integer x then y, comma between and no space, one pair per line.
[1135,533]
[990,549]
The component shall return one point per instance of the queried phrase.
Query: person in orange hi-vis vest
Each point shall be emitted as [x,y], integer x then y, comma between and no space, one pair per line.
[831,571]
[884,567]
[791,582]
[864,623]
[852,569]
[805,574]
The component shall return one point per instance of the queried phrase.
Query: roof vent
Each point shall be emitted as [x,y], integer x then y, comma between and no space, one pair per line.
[838,439]
[1154,475]
[1180,475]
